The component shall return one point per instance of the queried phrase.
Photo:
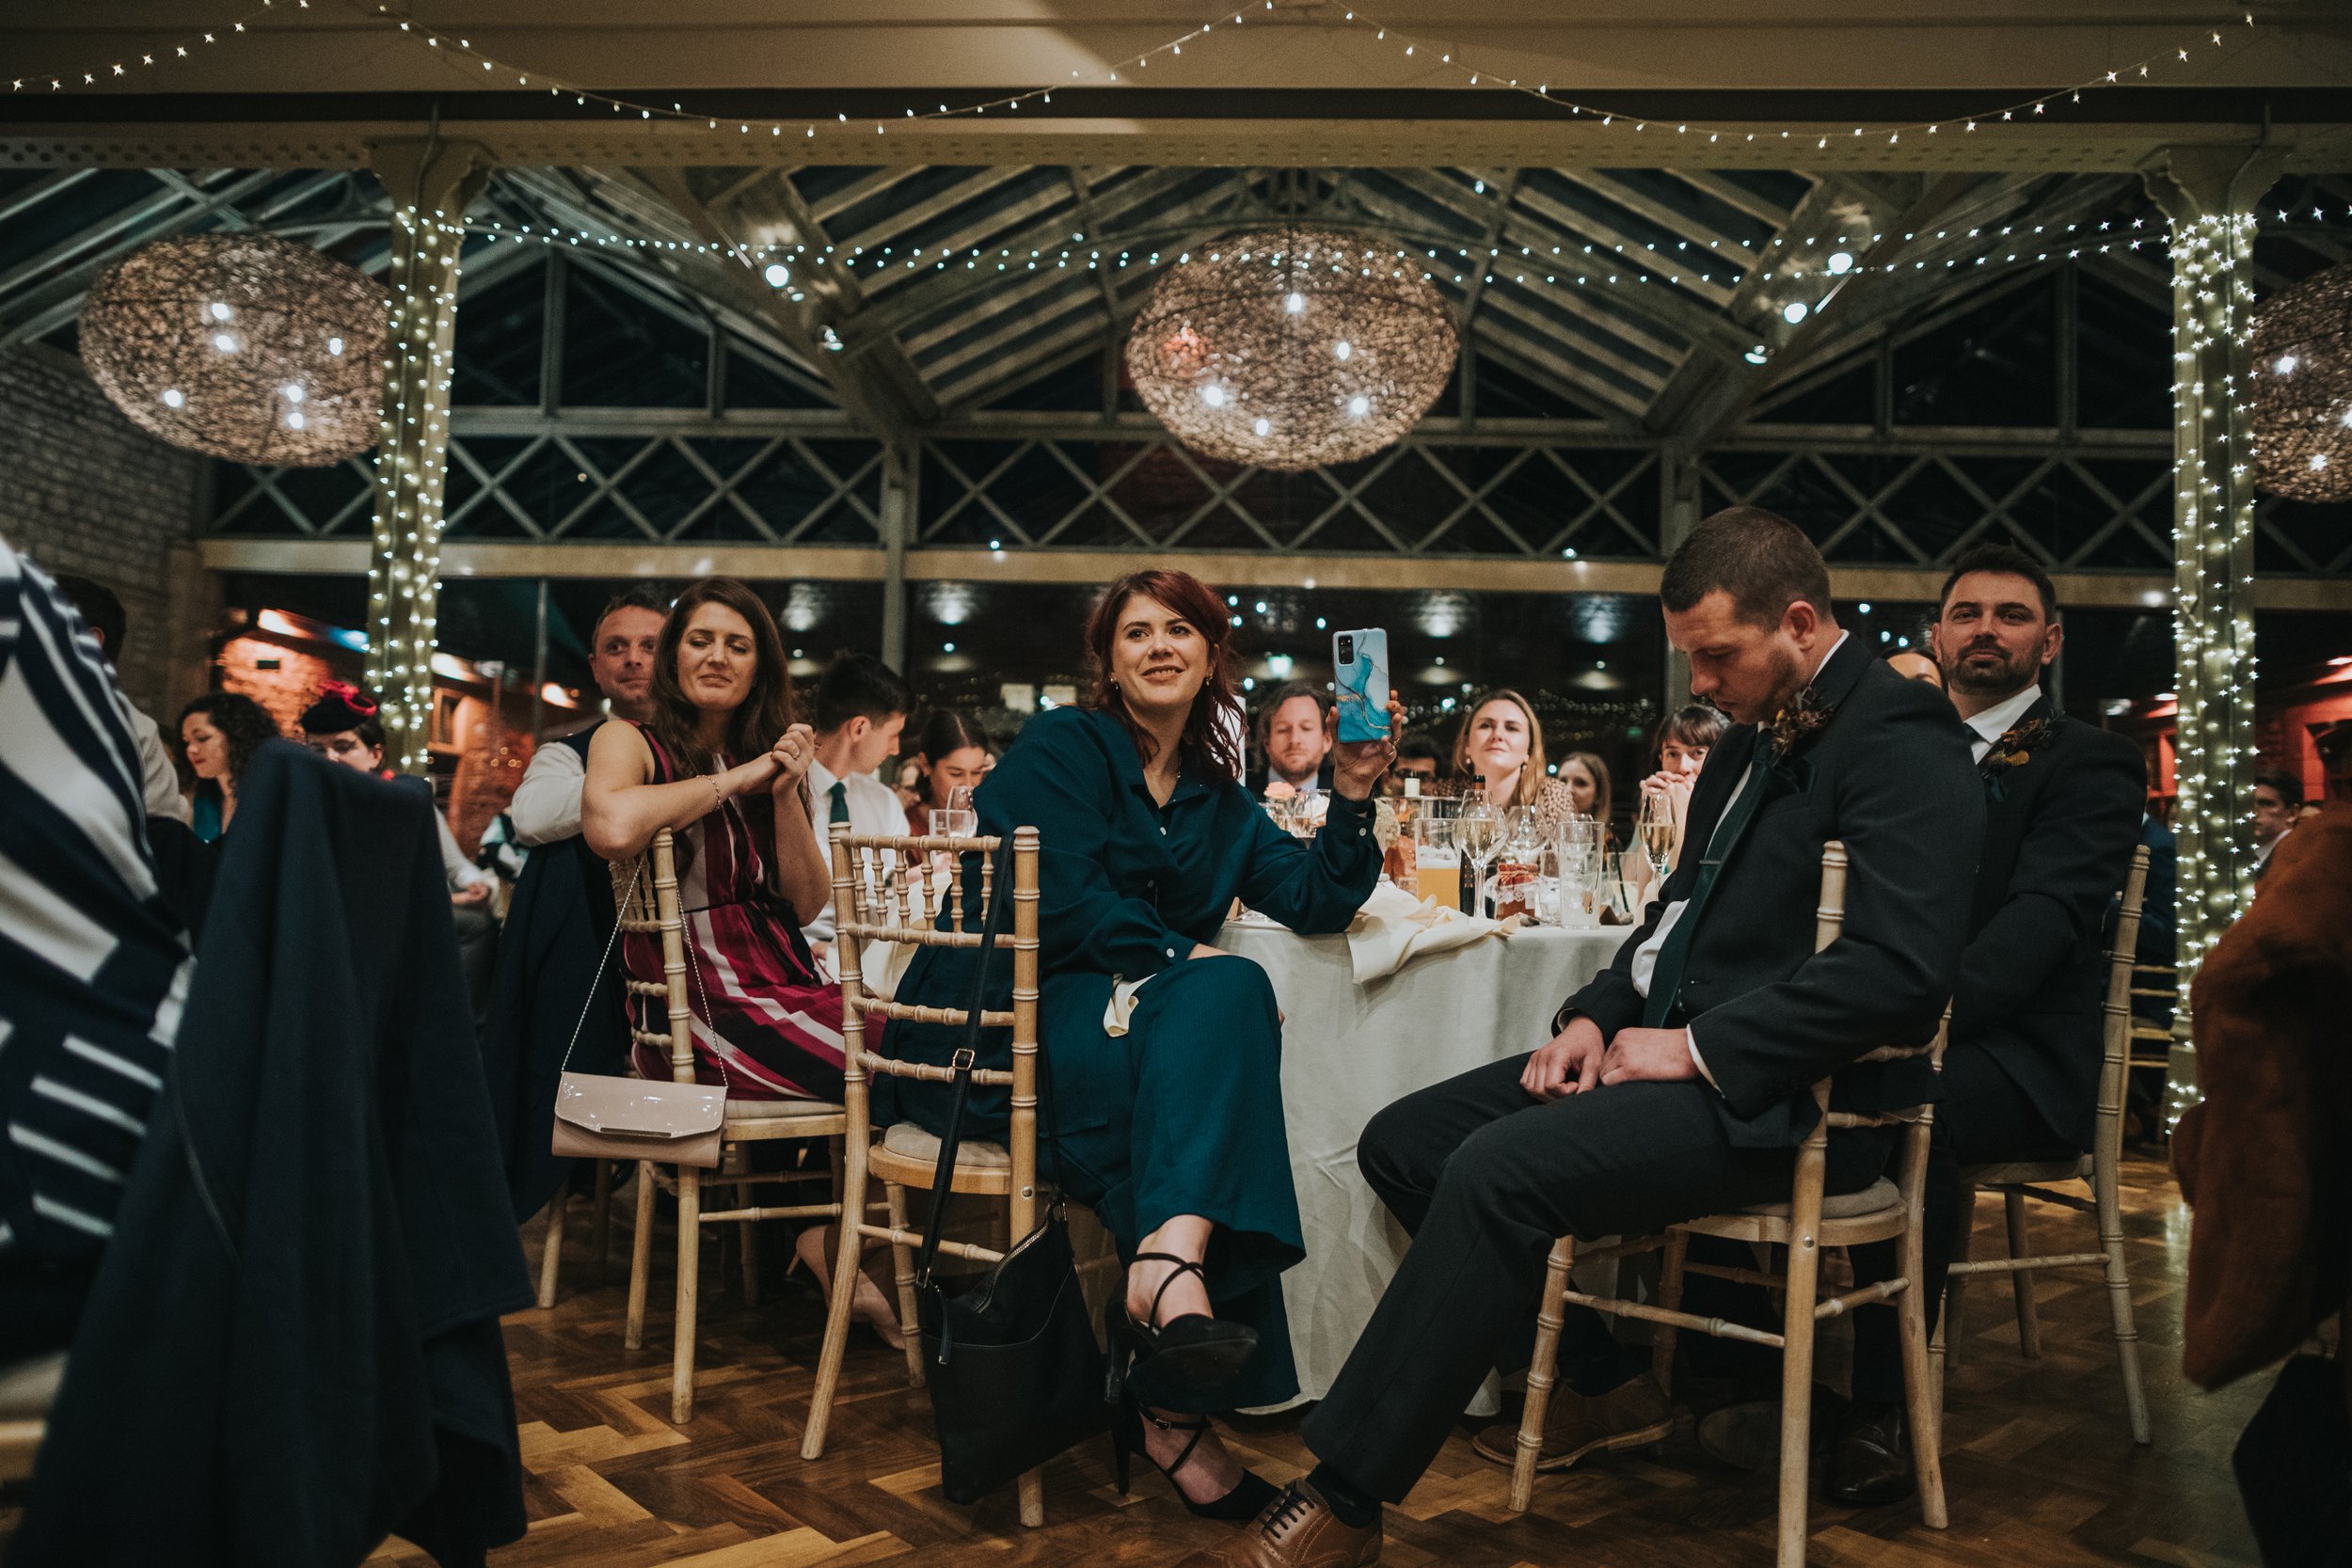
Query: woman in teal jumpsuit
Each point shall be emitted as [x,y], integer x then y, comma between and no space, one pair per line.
[1173,1133]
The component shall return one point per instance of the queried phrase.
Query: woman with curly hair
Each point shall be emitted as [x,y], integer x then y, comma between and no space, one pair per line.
[220,731]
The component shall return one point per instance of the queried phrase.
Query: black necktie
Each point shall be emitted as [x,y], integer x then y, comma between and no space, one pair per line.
[1673,954]
[840,795]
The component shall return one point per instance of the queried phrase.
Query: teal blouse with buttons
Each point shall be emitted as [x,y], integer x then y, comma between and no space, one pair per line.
[1127,887]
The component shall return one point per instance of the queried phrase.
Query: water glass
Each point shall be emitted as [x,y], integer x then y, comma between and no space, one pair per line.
[1438,862]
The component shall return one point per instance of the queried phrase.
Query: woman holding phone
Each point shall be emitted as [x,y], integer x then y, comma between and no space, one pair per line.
[1166,1118]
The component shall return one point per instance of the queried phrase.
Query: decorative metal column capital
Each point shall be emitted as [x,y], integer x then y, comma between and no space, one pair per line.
[2209,194]
[431,183]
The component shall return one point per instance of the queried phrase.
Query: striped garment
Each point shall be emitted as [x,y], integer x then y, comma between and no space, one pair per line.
[94,969]
[767,1024]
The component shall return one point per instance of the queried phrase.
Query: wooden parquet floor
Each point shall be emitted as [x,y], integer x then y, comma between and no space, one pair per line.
[2040,1466]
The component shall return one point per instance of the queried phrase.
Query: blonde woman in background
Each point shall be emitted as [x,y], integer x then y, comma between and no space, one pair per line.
[1501,743]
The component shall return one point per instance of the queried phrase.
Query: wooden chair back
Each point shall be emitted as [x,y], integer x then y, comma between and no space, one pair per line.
[2115,1067]
[888,889]
[646,903]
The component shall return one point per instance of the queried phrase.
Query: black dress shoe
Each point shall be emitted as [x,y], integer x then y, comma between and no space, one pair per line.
[1869,1462]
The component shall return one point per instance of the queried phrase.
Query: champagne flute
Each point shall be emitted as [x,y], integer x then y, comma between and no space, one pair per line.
[1654,829]
[1477,828]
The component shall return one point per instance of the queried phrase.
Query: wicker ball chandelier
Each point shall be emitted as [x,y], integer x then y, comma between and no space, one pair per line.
[245,346]
[2303,389]
[1292,348]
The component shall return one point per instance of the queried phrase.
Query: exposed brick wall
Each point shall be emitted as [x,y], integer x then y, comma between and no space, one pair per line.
[83,489]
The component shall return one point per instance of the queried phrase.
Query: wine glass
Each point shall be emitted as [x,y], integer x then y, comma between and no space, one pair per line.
[959,819]
[1307,812]
[1478,829]
[1654,830]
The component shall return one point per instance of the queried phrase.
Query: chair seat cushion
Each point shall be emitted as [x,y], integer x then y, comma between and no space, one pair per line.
[1879,1194]
[910,1142]
[764,1110]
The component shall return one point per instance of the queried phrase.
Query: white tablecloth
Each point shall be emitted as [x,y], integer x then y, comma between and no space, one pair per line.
[1348,1050]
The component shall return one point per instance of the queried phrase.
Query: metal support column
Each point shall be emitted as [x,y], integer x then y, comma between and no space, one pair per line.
[900,465]
[2209,194]
[431,183]
[1677,515]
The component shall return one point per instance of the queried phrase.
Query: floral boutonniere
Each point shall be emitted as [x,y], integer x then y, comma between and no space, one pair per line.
[2012,750]
[1798,724]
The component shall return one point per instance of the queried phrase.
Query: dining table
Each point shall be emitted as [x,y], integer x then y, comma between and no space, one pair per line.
[1351,1048]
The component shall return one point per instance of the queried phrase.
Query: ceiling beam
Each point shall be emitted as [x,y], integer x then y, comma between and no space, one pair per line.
[462,558]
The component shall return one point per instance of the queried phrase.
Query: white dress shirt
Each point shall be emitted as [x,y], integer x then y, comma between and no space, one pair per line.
[159,782]
[1645,956]
[1996,721]
[874,809]
[546,807]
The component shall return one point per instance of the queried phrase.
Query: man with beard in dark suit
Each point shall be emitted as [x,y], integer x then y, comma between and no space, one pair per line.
[2021,1077]
[1678,1082]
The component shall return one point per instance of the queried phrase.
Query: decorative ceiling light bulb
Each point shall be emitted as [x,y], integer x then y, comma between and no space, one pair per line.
[1841,263]
[1794,311]
[152,338]
[1215,356]
[2286,364]
[778,274]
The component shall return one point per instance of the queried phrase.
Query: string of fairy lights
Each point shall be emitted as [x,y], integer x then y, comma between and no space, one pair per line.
[1445,57]
[1421,48]
[2213,626]
[130,67]
[411,474]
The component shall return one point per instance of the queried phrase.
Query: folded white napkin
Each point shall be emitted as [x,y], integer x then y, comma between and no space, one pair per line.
[1122,1006]
[1393,928]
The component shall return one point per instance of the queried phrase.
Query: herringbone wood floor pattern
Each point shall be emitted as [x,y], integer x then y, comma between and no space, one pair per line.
[2040,1466]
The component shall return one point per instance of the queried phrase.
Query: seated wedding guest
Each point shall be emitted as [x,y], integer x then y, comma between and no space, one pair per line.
[954,752]
[343,727]
[220,732]
[2277,806]
[553,996]
[1295,733]
[2264,1160]
[546,807]
[1169,1128]
[103,613]
[2062,804]
[1917,667]
[1501,743]
[1416,758]
[1682,746]
[1680,1080]
[722,763]
[862,705]
[906,776]
[93,967]
[1586,777]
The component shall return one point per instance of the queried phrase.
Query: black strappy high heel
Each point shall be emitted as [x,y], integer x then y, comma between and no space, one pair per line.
[1183,1364]
[1246,1501]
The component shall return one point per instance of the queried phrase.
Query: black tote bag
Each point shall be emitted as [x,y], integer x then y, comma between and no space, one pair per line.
[1014,1372]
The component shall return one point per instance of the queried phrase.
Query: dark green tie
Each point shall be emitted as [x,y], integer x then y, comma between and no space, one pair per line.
[1666,978]
[840,793]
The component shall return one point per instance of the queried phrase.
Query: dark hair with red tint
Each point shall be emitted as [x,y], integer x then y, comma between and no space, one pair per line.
[1213,731]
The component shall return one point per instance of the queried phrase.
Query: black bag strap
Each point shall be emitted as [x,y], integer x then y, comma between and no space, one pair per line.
[944,1170]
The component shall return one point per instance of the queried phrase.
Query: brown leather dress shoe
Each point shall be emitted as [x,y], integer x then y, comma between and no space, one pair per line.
[1627,1416]
[1870,1463]
[1296,1530]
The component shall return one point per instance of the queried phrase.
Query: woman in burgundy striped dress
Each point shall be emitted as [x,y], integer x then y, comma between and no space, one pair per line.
[723,767]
